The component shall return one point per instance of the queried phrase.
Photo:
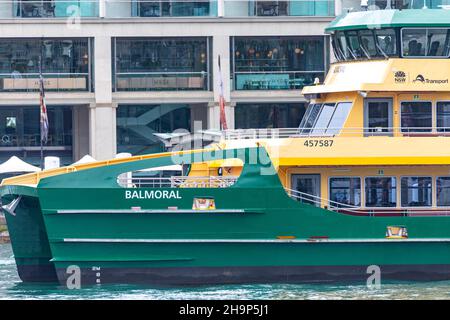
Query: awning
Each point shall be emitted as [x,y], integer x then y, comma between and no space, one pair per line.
[14,164]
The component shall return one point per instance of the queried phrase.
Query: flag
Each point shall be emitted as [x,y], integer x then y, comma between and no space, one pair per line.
[223,120]
[43,111]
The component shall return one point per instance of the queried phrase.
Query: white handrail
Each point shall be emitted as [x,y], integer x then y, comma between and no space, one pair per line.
[177,181]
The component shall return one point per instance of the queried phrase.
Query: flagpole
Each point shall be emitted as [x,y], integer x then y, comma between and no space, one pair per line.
[40,107]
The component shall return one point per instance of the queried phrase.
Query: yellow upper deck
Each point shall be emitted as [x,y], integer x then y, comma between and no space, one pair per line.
[398,75]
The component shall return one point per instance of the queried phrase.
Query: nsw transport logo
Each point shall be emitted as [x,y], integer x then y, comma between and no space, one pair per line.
[400,77]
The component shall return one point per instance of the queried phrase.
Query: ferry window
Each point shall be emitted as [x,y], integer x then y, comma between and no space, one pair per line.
[386,42]
[416,191]
[443,116]
[416,116]
[344,46]
[414,42]
[381,192]
[353,42]
[368,42]
[346,191]
[340,115]
[324,118]
[443,191]
[309,118]
[336,49]
[436,42]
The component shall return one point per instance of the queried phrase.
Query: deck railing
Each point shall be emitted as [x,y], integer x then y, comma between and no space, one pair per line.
[176,182]
[275,133]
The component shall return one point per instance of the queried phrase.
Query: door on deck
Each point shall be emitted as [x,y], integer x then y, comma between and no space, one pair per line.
[309,185]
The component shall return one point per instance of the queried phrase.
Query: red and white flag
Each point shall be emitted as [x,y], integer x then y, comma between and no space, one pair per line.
[223,119]
[43,111]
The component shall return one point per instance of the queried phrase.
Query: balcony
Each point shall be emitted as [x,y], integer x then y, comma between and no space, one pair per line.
[157,81]
[29,82]
[276,80]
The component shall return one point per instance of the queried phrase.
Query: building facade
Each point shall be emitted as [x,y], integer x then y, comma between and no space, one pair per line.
[118,73]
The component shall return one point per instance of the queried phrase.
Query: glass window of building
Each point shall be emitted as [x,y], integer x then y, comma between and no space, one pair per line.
[55,8]
[65,64]
[416,116]
[386,41]
[443,191]
[20,133]
[239,8]
[443,116]
[416,191]
[277,63]
[381,192]
[267,115]
[168,8]
[146,64]
[345,191]
[138,124]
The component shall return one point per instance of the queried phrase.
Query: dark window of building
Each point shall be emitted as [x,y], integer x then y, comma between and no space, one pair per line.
[277,63]
[20,133]
[416,116]
[416,191]
[443,116]
[138,126]
[443,191]
[381,192]
[65,64]
[143,64]
[167,8]
[268,115]
[55,8]
[345,191]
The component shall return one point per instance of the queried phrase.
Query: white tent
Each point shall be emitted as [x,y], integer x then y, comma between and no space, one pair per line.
[14,164]
[86,159]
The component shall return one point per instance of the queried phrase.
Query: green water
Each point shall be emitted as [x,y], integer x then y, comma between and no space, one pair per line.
[12,288]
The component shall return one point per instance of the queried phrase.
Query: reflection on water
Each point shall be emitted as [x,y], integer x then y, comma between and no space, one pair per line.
[12,288]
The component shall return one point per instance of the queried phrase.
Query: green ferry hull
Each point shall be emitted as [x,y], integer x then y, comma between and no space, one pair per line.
[256,234]
[28,236]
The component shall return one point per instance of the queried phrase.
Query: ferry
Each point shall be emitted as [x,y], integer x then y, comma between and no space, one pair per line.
[363,181]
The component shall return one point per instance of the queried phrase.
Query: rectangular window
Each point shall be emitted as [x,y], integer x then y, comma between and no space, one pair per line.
[381,192]
[443,191]
[416,116]
[430,42]
[65,64]
[386,42]
[267,115]
[345,191]
[416,191]
[276,63]
[443,116]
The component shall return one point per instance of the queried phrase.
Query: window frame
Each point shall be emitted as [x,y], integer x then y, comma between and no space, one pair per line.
[447,41]
[361,188]
[431,128]
[365,190]
[436,192]
[436,115]
[418,176]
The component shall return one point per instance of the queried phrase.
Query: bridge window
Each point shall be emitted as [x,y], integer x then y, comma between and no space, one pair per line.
[386,42]
[416,116]
[345,191]
[443,191]
[443,116]
[381,192]
[416,191]
[368,42]
[432,42]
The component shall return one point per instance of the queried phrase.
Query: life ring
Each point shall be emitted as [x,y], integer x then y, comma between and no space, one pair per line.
[6,138]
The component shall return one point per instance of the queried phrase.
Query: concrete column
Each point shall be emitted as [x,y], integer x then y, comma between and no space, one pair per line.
[338,7]
[102,68]
[221,46]
[102,131]
[80,125]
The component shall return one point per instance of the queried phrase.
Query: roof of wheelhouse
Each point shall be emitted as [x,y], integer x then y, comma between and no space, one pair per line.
[375,19]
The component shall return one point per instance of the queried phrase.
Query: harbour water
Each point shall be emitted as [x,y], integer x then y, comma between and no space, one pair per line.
[12,288]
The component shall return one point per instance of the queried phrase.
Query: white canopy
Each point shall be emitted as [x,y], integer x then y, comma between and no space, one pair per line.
[86,159]
[15,164]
